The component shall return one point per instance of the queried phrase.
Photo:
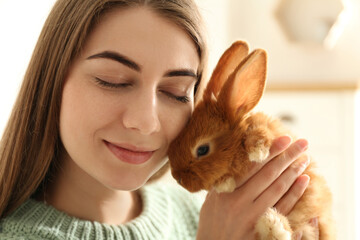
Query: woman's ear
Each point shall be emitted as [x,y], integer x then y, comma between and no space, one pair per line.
[228,62]
[245,87]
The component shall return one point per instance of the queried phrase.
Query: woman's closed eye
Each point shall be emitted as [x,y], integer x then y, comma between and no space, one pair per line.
[181,99]
[111,85]
[171,93]
[179,92]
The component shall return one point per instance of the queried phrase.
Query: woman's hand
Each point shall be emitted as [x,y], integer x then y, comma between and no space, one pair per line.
[276,183]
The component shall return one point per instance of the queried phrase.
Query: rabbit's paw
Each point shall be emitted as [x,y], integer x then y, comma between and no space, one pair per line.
[260,152]
[273,225]
[228,185]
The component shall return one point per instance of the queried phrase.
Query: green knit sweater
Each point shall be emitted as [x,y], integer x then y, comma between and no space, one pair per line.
[169,212]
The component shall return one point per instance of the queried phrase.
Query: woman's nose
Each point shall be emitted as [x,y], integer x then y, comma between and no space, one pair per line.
[142,114]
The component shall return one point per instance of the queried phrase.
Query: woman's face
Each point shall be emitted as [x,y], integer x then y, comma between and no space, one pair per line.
[126,97]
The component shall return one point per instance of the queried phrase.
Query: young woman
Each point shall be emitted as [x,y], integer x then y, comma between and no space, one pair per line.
[111,83]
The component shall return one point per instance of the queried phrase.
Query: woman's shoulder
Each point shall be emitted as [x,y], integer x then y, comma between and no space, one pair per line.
[22,223]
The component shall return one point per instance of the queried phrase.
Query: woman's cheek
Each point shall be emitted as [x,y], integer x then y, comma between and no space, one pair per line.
[177,120]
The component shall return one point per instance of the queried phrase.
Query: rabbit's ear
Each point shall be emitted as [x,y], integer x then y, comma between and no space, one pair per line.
[225,67]
[246,85]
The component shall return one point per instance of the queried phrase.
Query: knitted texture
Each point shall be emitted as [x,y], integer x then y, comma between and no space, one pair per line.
[169,212]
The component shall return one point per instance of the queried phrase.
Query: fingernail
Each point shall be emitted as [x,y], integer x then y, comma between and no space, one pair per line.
[314,222]
[302,144]
[304,180]
[284,141]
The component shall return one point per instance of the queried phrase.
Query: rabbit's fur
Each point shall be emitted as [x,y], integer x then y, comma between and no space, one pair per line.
[224,138]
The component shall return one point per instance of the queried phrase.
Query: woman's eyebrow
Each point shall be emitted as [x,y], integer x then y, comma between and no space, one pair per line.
[133,65]
[181,72]
[119,58]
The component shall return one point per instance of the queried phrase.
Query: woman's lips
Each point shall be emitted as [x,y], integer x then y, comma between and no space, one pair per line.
[129,154]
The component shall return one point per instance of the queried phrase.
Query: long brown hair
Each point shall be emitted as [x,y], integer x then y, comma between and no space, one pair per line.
[30,145]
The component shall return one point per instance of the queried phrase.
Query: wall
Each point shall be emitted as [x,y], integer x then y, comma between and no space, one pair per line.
[20,26]
[255,22]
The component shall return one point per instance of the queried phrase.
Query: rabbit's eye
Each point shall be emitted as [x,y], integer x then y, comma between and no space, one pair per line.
[202,150]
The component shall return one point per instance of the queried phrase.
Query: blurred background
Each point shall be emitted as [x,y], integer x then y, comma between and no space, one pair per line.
[313,74]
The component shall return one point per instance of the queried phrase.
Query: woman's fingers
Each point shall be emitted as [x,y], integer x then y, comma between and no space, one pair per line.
[288,201]
[272,171]
[282,184]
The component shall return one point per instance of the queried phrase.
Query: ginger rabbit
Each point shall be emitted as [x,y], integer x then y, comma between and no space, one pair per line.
[224,138]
